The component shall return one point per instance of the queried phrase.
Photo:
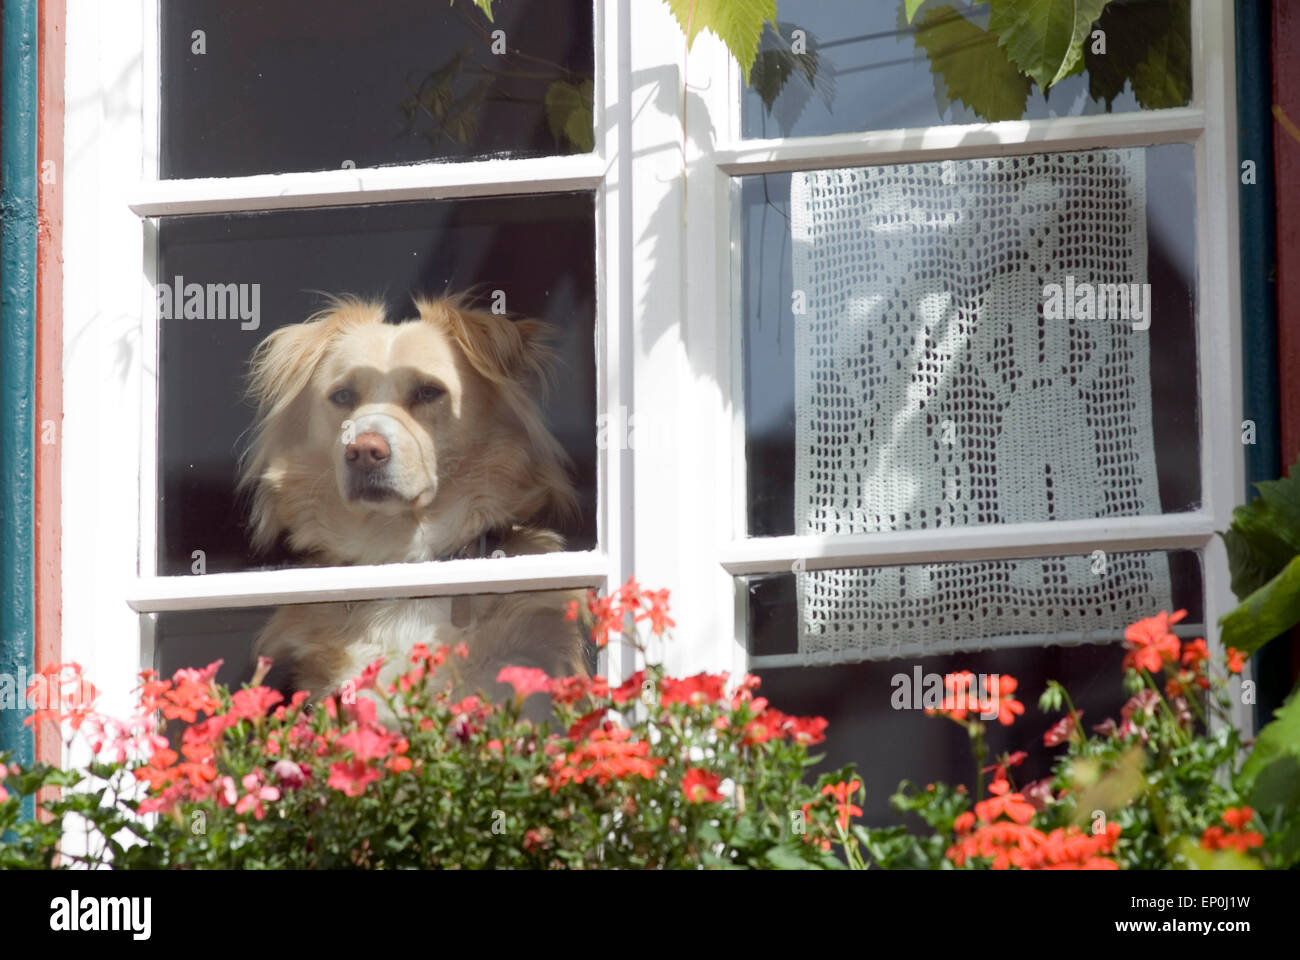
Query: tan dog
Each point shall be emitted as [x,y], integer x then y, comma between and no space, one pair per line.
[387,443]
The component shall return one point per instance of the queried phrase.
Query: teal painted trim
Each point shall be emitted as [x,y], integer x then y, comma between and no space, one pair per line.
[1258,222]
[1258,231]
[18,209]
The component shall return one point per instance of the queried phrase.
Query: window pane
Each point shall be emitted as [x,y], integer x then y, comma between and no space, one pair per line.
[479,449]
[861,66]
[253,88]
[854,691]
[523,629]
[910,362]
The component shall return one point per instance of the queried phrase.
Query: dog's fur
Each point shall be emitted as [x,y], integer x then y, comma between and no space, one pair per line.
[466,461]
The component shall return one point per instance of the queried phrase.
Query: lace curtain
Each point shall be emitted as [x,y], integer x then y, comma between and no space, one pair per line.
[931,390]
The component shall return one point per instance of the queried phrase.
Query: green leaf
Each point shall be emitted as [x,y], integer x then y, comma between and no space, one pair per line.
[1268,612]
[737,23]
[777,62]
[1278,740]
[1148,44]
[788,858]
[1265,533]
[484,5]
[1277,785]
[910,7]
[971,65]
[1163,77]
[1044,37]
[569,113]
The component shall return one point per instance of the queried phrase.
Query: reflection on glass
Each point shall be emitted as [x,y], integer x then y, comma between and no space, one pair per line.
[253,88]
[909,362]
[838,68]
[320,646]
[1077,644]
[227,283]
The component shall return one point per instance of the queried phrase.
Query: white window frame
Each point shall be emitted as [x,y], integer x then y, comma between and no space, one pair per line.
[671,510]
[708,461]
[112,590]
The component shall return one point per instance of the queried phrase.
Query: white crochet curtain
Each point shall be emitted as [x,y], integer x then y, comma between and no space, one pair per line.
[930,391]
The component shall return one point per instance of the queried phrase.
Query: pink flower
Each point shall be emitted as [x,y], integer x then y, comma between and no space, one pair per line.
[1039,793]
[352,777]
[1061,731]
[4,794]
[526,681]
[366,679]
[227,792]
[253,704]
[365,744]
[289,775]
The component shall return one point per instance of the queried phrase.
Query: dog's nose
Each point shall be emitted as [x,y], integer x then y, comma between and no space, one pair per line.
[367,451]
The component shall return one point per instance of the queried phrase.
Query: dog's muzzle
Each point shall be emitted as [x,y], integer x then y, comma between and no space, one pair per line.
[368,457]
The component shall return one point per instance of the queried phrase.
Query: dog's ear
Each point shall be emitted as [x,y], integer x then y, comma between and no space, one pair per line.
[283,364]
[501,349]
[279,371]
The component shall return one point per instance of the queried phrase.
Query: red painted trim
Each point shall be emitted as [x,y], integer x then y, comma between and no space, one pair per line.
[51,36]
[1286,158]
[1286,154]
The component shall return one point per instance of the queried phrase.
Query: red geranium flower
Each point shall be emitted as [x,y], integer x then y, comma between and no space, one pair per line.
[1195,652]
[1061,731]
[701,786]
[701,689]
[1003,801]
[1238,838]
[1238,817]
[526,681]
[1153,643]
[843,794]
[768,725]
[1000,688]
[629,689]
[352,777]
[807,730]
[253,704]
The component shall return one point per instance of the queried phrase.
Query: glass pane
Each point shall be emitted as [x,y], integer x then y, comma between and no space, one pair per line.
[320,646]
[910,361]
[845,67]
[253,88]
[854,691]
[455,399]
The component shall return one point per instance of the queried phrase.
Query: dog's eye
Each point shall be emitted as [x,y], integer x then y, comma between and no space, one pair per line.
[427,393]
[342,397]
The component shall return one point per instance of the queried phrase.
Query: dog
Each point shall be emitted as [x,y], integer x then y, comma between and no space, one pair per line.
[378,442]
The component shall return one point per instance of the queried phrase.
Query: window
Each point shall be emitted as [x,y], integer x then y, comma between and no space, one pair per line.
[256,159]
[722,434]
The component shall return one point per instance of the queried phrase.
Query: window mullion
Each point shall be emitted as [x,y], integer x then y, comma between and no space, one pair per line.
[957,142]
[947,544]
[439,578]
[430,181]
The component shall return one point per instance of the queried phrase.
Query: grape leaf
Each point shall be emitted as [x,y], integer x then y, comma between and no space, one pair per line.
[1278,742]
[911,7]
[568,113]
[1163,77]
[973,67]
[737,23]
[1148,44]
[1268,612]
[484,5]
[1265,534]
[1044,38]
